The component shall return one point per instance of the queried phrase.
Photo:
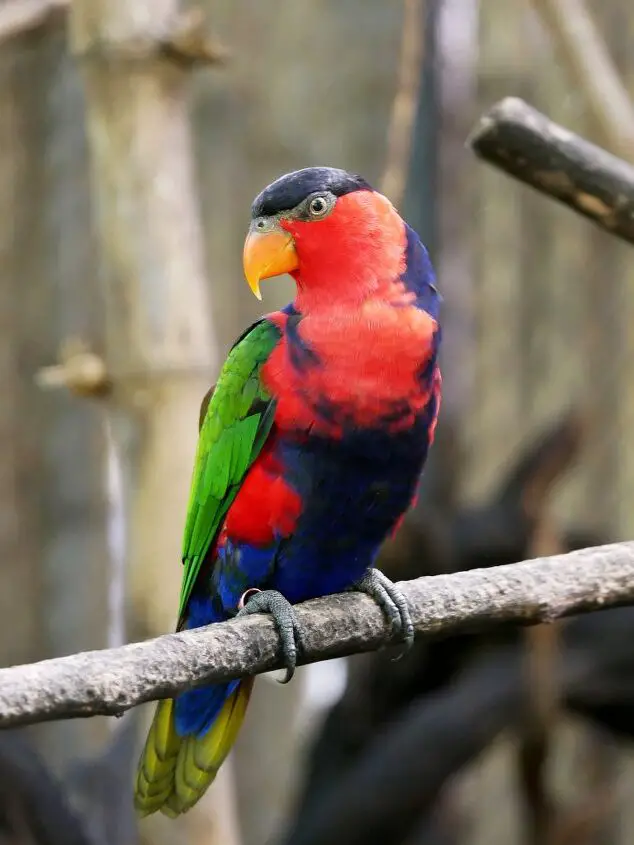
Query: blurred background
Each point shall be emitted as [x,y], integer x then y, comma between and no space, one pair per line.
[125,189]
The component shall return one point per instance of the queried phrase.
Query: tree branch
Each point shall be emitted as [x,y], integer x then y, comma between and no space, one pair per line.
[524,143]
[113,680]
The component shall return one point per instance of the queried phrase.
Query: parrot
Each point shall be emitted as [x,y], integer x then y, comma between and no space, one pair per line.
[310,449]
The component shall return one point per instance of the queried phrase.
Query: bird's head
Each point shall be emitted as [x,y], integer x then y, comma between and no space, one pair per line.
[337,237]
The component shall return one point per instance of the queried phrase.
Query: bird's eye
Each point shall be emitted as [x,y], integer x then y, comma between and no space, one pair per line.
[260,224]
[318,206]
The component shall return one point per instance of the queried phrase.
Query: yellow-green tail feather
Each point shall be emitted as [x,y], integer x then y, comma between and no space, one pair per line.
[174,772]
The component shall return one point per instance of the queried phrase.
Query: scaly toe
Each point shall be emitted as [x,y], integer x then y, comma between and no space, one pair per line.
[393,603]
[285,619]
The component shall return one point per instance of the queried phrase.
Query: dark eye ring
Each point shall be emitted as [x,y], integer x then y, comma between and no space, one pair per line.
[318,206]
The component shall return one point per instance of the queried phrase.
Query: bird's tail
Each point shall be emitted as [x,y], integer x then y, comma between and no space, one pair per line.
[175,771]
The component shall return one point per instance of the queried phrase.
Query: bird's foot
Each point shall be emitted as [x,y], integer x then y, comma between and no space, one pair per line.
[285,619]
[391,601]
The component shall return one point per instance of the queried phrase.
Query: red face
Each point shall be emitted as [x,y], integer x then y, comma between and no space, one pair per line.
[339,248]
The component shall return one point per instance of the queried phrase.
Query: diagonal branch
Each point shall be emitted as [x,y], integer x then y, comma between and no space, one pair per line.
[524,143]
[113,680]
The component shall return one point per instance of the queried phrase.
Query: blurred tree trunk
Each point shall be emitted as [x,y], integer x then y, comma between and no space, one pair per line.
[20,594]
[160,344]
[53,561]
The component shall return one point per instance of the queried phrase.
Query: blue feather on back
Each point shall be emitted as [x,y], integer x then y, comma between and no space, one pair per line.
[419,275]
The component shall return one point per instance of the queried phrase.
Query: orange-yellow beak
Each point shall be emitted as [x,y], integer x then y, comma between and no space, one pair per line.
[267,254]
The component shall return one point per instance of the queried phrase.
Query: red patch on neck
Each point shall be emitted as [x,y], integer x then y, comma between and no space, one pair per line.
[368,340]
[349,255]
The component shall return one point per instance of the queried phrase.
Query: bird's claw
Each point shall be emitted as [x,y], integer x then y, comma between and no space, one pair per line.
[285,619]
[391,601]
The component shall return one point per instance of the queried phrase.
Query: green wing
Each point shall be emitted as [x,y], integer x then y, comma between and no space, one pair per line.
[234,427]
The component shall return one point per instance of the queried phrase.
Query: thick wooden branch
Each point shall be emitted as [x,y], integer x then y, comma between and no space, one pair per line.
[113,680]
[524,143]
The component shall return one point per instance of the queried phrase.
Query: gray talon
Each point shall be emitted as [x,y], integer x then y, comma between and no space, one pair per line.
[286,623]
[391,601]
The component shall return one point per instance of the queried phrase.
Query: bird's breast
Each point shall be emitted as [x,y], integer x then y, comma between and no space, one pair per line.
[336,371]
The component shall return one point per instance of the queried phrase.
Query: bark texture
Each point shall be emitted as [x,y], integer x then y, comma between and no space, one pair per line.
[113,680]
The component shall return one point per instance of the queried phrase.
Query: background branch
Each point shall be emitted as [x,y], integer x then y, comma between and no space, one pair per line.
[113,680]
[524,143]
[587,59]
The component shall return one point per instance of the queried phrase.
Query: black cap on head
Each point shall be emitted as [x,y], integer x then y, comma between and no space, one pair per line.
[289,190]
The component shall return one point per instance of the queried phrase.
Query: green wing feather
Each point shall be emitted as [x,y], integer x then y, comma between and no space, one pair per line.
[234,426]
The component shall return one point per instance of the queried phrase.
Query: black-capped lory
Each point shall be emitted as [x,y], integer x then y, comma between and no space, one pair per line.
[310,447]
